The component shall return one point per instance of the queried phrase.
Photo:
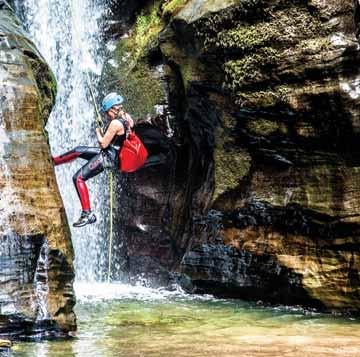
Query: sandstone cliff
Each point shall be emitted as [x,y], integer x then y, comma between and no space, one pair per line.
[36,256]
[260,197]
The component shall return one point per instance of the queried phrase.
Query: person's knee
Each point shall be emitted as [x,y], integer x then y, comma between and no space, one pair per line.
[76,177]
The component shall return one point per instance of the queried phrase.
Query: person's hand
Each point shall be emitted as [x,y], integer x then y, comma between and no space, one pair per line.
[99,132]
[122,114]
[99,124]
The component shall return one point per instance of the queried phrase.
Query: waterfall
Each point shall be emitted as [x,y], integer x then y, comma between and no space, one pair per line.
[53,25]
[41,282]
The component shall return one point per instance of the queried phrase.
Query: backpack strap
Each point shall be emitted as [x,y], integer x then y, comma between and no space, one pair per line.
[126,127]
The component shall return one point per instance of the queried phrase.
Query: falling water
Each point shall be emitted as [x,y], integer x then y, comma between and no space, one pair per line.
[58,27]
[41,282]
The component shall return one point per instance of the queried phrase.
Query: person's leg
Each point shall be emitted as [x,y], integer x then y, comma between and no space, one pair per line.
[92,168]
[83,152]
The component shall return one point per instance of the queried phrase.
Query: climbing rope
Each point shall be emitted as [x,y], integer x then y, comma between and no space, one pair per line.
[111,226]
[100,124]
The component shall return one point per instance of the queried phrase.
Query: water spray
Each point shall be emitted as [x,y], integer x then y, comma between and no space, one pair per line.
[100,124]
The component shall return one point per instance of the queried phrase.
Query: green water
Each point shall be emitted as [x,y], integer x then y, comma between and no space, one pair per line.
[184,326]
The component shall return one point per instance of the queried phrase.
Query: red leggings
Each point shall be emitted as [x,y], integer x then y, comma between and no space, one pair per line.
[93,167]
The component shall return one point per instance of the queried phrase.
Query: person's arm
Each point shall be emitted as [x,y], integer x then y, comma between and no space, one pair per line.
[115,128]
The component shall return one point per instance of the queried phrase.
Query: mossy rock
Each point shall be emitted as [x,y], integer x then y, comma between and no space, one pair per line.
[194,10]
[141,89]
[191,69]
[262,127]
[260,99]
[135,79]
[172,7]
[250,69]
[230,167]
[244,38]
[284,28]
[144,36]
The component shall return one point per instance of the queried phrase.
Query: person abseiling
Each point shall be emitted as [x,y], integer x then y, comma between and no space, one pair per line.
[99,158]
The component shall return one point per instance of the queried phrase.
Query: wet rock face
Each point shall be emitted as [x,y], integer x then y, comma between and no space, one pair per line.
[263,100]
[36,275]
[293,207]
[123,14]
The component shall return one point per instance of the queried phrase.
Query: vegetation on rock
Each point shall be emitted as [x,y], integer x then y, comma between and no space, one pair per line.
[263,94]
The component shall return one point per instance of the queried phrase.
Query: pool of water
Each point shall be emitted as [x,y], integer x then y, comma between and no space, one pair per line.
[119,320]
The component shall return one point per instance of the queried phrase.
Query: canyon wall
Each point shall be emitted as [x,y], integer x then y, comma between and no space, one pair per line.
[259,194]
[36,255]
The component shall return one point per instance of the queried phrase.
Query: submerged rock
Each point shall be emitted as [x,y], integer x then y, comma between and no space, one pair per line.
[36,255]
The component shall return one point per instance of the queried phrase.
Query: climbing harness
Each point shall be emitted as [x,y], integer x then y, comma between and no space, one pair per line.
[100,123]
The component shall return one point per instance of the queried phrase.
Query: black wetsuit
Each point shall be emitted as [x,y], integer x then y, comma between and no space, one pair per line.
[97,161]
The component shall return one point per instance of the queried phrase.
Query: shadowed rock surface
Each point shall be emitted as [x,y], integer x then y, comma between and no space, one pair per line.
[263,101]
[36,256]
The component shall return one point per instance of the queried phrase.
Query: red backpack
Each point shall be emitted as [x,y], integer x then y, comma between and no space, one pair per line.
[133,153]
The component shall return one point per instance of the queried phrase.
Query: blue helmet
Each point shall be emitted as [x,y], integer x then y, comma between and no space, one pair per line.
[111,100]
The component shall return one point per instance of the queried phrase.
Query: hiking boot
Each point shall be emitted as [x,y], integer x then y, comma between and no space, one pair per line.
[85,218]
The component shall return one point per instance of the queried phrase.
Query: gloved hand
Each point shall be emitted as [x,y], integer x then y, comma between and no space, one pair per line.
[100,125]
[99,134]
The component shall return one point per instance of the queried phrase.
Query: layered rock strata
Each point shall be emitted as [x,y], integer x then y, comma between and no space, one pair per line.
[287,155]
[263,100]
[36,256]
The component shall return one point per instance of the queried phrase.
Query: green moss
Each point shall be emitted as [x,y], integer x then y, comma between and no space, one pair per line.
[256,50]
[284,28]
[232,163]
[136,81]
[306,130]
[314,46]
[131,74]
[145,34]
[262,127]
[230,167]
[172,7]
[244,38]
[263,99]
[250,69]
[228,121]
[47,85]
[210,26]
[142,90]
[191,68]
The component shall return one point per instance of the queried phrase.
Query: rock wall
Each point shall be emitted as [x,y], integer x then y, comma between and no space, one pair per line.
[260,198]
[36,256]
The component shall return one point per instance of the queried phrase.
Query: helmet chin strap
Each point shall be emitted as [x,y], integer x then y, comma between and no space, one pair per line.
[116,112]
